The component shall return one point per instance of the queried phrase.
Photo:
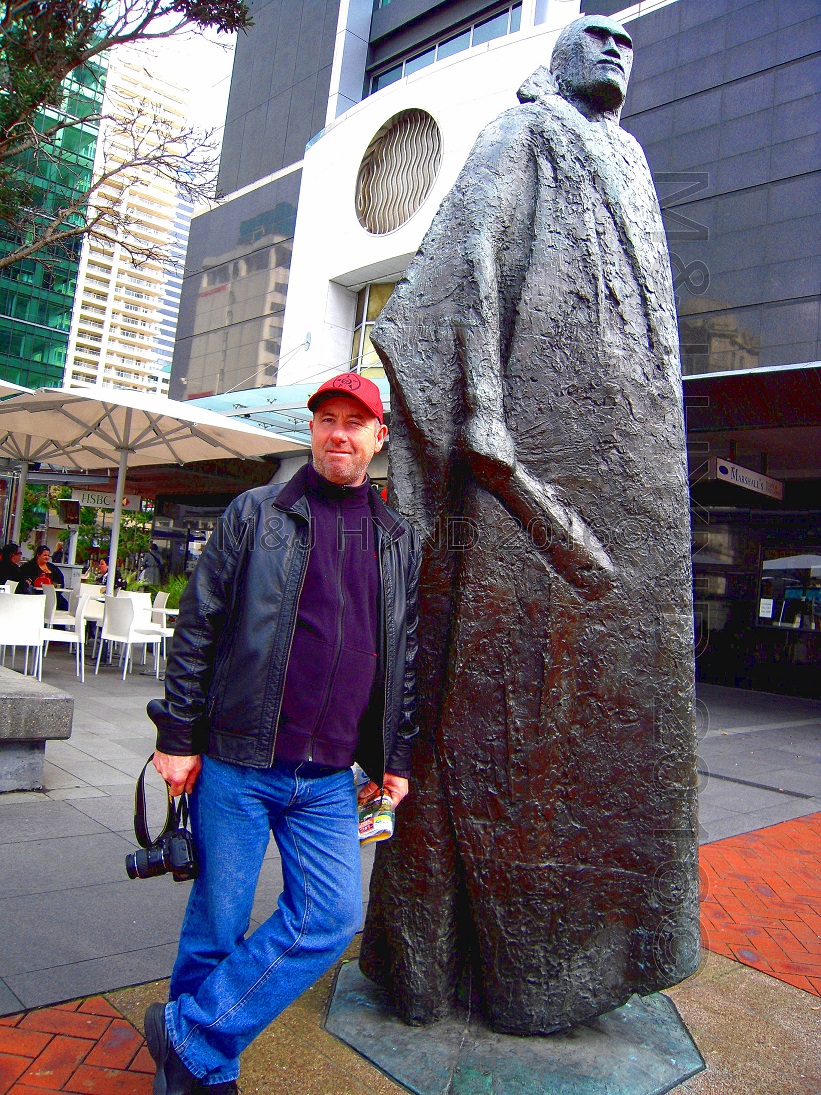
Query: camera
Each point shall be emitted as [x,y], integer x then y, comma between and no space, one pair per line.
[172,852]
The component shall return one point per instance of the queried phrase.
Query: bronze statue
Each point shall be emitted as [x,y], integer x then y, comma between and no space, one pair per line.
[547,853]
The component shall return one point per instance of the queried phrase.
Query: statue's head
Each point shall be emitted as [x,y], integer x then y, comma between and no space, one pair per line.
[591,63]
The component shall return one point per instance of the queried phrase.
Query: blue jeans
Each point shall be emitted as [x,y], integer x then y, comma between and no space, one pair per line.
[226,988]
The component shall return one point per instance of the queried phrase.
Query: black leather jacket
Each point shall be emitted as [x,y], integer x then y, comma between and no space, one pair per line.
[226,668]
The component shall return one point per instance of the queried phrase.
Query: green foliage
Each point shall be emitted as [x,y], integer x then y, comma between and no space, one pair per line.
[174,587]
[132,583]
[34,511]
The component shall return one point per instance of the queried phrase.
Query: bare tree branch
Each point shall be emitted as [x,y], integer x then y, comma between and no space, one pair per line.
[41,43]
[136,141]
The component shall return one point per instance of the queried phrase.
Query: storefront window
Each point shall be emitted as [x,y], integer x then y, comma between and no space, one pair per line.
[790,591]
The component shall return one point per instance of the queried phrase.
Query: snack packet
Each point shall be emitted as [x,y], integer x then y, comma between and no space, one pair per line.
[376,819]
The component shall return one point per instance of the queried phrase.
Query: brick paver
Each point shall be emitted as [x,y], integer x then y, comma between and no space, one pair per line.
[761,900]
[85,1047]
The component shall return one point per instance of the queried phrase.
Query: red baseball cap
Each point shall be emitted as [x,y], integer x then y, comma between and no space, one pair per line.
[353,385]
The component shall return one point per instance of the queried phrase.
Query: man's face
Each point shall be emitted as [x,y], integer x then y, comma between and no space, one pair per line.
[595,63]
[344,439]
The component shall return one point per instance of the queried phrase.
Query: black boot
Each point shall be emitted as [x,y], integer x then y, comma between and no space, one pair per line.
[228,1088]
[172,1077]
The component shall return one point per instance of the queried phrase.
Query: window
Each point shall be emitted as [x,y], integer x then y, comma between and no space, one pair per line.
[369,303]
[506,21]
[495,27]
[421,60]
[790,588]
[453,45]
[386,78]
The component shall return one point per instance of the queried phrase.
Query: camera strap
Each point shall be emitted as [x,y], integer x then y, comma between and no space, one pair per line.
[175,817]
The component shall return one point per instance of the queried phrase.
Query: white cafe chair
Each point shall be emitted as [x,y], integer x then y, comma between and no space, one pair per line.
[21,624]
[141,600]
[120,626]
[159,617]
[76,635]
[56,617]
[144,614]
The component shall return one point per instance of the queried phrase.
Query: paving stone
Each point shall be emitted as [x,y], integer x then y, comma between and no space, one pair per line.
[62,864]
[56,1021]
[117,1048]
[98,1005]
[57,1063]
[143,1062]
[9,1001]
[73,793]
[103,1081]
[44,819]
[11,1069]
[22,1042]
[112,919]
[102,974]
[54,777]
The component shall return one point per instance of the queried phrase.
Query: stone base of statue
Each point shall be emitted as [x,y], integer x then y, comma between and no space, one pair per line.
[642,1048]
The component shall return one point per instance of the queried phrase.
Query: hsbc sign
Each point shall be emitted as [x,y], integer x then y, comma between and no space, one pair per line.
[99,500]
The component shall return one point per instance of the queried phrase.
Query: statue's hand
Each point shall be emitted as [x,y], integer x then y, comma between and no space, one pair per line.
[489,450]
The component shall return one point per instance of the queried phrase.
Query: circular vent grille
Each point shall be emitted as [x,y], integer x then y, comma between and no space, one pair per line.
[398,171]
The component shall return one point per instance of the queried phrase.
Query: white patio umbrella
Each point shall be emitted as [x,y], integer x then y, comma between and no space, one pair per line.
[6,389]
[86,428]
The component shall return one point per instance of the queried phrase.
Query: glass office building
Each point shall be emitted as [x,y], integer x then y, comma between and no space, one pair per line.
[37,294]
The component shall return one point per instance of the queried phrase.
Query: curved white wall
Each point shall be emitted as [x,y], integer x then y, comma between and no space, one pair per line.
[333,254]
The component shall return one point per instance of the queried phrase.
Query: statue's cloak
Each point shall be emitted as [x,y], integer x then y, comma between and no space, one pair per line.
[548,845]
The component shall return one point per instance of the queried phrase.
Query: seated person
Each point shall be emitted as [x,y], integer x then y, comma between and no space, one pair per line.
[102,574]
[11,558]
[39,572]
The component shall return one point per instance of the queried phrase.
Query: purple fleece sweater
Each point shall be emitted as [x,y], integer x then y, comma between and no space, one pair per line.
[332,666]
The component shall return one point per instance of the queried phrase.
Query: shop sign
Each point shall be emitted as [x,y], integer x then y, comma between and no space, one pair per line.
[743,477]
[100,500]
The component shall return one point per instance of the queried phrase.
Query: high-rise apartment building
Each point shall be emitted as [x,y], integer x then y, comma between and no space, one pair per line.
[37,294]
[125,305]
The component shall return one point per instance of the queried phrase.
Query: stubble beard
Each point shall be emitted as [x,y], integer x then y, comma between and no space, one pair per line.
[352,474]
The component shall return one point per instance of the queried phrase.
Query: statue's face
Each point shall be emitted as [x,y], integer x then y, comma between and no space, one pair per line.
[594,62]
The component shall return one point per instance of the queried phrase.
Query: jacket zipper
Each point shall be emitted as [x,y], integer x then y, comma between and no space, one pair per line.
[341,592]
[290,645]
[382,550]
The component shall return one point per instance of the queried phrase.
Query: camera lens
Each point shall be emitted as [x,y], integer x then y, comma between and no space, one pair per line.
[147,862]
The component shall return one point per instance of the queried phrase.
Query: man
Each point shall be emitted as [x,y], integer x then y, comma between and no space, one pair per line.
[292,656]
[538,441]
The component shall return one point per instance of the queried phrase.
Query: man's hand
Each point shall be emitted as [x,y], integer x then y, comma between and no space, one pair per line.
[180,773]
[395,786]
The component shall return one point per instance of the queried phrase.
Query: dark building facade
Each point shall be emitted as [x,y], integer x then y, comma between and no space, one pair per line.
[279,89]
[236,272]
[725,98]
